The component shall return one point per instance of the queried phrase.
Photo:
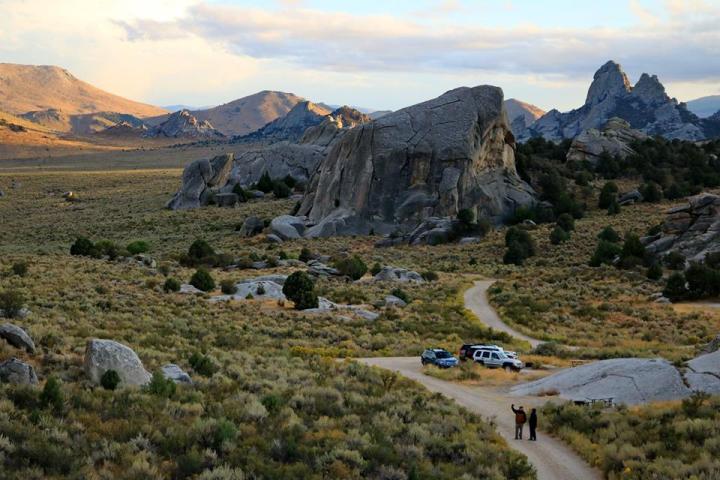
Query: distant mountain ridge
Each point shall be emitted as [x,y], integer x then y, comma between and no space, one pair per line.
[521,114]
[705,107]
[645,106]
[26,88]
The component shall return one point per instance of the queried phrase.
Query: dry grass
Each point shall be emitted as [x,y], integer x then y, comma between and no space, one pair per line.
[471,373]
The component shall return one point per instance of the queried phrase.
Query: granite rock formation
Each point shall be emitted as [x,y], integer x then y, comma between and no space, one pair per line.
[201,179]
[183,124]
[615,139]
[431,159]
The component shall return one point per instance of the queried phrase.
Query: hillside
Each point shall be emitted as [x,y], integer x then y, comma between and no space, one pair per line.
[521,114]
[25,88]
[250,113]
[704,107]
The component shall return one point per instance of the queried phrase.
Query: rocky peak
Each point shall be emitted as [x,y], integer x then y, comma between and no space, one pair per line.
[650,90]
[292,126]
[609,81]
[183,124]
[348,117]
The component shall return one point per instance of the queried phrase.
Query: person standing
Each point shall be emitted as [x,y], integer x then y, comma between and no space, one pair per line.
[533,424]
[520,419]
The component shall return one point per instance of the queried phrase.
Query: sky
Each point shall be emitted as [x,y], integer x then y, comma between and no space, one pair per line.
[375,54]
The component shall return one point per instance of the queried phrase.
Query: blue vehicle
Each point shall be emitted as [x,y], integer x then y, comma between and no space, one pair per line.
[438,357]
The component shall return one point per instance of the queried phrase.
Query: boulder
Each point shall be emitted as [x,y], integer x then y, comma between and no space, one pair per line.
[272,238]
[393,301]
[187,288]
[428,160]
[319,269]
[692,229]
[226,199]
[627,380]
[17,372]
[17,337]
[104,355]
[288,227]
[277,278]
[469,240]
[251,226]
[200,181]
[176,374]
[258,289]
[712,346]
[395,274]
[633,196]
[325,305]
[703,372]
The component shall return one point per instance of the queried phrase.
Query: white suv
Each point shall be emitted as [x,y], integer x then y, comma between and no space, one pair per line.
[496,358]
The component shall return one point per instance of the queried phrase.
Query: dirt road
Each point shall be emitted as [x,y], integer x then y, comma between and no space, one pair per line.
[552,459]
[476,301]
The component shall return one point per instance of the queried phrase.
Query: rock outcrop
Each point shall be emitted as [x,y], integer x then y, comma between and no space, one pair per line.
[17,372]
[201,179]
[176,374]
[430,159]
[104,355]
[703,373]
[646,107]
[615,139]
[692,229]
[290,127]
[17,337]
[396,274]
[183,124]
[628,380]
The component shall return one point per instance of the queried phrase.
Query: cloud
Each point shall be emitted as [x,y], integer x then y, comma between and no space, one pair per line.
[683,47]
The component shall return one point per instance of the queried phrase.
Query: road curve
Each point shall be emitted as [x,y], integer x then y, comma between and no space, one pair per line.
[477,302]
[552,459]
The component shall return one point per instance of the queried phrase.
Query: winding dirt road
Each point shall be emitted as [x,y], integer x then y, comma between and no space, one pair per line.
[552,459]
[476,301]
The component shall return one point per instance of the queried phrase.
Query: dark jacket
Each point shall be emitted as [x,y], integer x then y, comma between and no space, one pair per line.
[520,417]
[533,419]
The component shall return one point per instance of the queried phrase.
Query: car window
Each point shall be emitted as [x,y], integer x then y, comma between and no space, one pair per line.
[486,355]
[443,355]
[495,356]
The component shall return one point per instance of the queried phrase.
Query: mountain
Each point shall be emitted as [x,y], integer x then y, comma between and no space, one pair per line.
[521,114]
[645,106]
[291,126]
[25,88]
[705,107]
[181,106]
[183,124]
[249,114]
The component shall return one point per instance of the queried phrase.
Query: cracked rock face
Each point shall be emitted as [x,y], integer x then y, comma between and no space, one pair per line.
[430,159]
[627,380]
[692,229]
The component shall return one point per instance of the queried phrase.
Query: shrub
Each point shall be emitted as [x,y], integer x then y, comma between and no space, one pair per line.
[583,178]
[228,287]
[466,216]
[520,246]
[290,181]
[106,247]
[11,303]
[171,285]
[305,255]
[84,247]
[200,250]
[613,208]
[559,235]
[566,222]
[110,380]
[299,288]
[429,276]
[702,281]
[675,288]
[674,260]
[654,272]
[202,364]
[608,194]
[651,192]
[202,280]
[281,190]
[265,184]
[633,247]
[240,192]
[161,386]
[400,293]
[51,395]
[352,267]
[375,269]
[138,247]
[605,253]
[20,269]
[609,235]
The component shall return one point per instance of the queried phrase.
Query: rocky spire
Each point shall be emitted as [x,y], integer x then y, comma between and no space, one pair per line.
[650,90]
[609,81]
